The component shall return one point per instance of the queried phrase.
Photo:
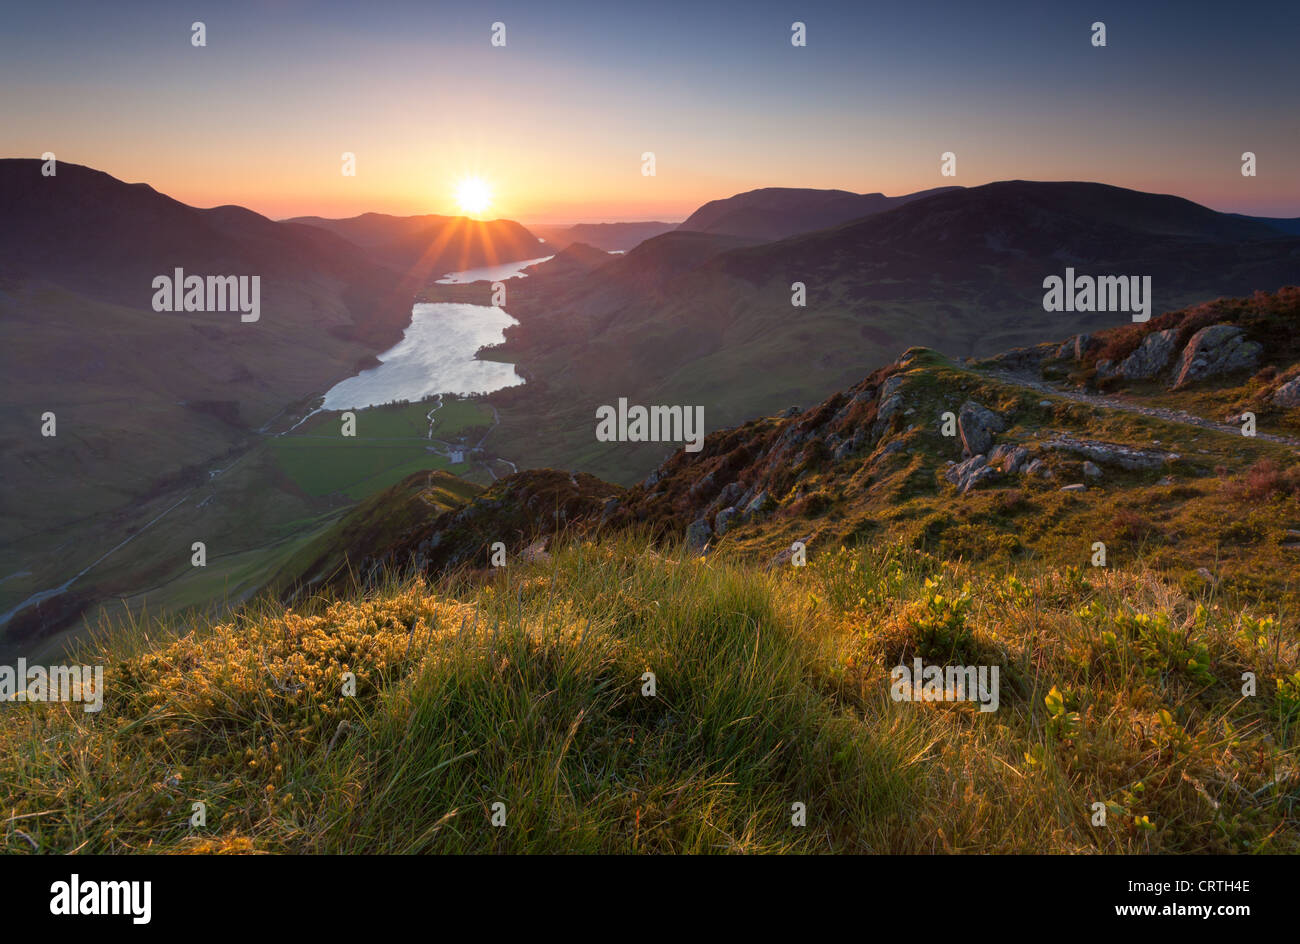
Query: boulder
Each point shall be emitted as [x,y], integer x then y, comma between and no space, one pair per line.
[977,424]
[1213,351]
[849,446]
[967,475]
[892,385]
[1288,395]
[723,519]
[1151,357]
[703,484]
[729,494]
[1038,468]
[1076,487]
[1090,470]
[1126,457]
[757,504]
[1074,349]
[698,533]
[1008,458]
[888,407]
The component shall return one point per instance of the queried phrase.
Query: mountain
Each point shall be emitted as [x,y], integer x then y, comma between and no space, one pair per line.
[92,234]
[151,406]
[777,212]
[652,267]
[687,319]
[573,259]
[425,247]
[607,236]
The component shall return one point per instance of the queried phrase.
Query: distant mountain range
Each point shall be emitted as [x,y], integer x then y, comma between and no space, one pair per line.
[90,233]
[777,212]
[607,236]
[421,247]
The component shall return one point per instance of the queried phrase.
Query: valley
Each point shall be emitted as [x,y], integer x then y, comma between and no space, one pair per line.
[685,317]
[183,426]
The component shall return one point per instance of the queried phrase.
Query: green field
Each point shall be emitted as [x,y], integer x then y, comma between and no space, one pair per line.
[390,443]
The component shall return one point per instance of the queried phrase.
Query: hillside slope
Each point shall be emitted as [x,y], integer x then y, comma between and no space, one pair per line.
[150,405]
[665,672]
[778,212]
[687,321]
[1153,473]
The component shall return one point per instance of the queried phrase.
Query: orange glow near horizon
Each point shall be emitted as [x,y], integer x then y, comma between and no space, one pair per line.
[556,123]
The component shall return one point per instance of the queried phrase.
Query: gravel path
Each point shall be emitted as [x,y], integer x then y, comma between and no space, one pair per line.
[1115,403]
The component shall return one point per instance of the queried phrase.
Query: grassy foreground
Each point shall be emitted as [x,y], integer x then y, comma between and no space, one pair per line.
[525,688]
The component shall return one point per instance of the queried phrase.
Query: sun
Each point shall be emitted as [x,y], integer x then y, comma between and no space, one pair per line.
[474,195]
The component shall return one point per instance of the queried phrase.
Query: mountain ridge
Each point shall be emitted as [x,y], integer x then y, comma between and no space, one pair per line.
[774,213]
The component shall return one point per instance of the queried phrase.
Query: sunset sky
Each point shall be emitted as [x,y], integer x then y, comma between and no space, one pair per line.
[555,123]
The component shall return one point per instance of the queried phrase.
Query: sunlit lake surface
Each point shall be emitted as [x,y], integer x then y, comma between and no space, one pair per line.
[436,353]
[492,273]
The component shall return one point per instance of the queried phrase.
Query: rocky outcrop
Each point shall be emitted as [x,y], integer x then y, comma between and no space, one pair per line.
[1008,458]
[970,473]
[698,533]
[1038,468]
[1288,395]
[1213,351]
[1024,358]
[891,402]
[1151,357]
[1074,349]
[977,425]
[1126,457]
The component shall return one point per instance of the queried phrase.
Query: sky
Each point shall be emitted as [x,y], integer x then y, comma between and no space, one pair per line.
[556,121]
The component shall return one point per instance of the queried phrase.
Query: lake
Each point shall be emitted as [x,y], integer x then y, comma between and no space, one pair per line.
[492,273]
[436,353]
